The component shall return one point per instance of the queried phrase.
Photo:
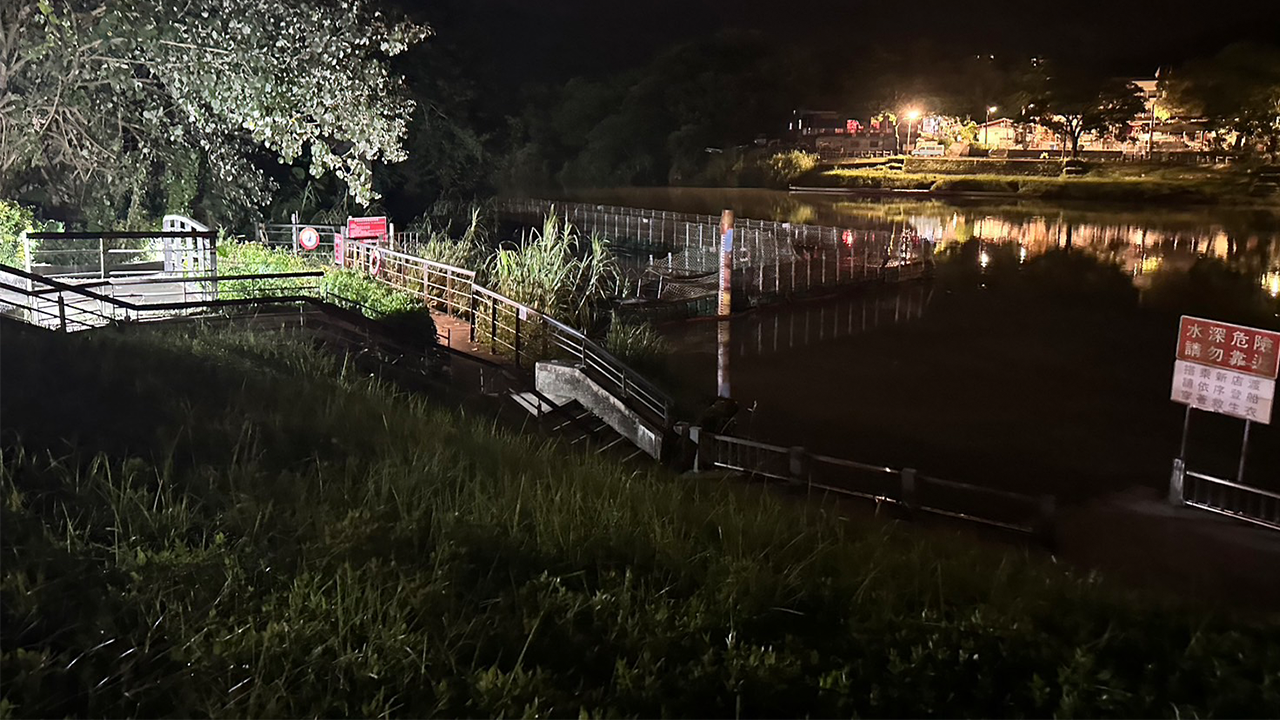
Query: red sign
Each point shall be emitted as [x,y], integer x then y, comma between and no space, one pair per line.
[367,228]
[1231,347]
[339,256]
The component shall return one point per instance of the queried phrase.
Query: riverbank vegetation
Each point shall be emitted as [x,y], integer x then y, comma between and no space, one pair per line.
[1110,188]
[178,548]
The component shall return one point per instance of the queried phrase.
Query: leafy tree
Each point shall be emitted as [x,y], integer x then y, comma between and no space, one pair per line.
[654,125]
[1237,90]
[135,103]
[1071,103]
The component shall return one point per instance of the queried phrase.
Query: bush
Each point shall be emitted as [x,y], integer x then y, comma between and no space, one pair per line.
[376,299]
[15,221]
[638,345]
[246,258]
[783,168]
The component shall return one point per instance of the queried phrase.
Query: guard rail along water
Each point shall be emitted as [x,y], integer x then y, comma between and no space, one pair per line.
[771,261]
[756,242]
[905,488]
[1251,504]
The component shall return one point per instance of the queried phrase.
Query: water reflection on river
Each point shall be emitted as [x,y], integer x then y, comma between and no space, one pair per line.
[1058,384]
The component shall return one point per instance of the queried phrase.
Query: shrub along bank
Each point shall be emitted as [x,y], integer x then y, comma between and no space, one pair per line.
[1108,189]
[284,538]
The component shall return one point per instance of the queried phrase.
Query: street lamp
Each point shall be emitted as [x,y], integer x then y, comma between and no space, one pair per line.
[990,109]
[912,115]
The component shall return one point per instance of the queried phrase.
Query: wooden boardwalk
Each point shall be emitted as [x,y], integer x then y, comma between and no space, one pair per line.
[455,333]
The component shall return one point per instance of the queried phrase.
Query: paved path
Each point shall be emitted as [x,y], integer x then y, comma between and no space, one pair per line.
[1137,538]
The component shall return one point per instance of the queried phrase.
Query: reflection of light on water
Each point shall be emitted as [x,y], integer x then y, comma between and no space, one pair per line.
[1022,254]
[1271,283]
[984,259]
[1151,263]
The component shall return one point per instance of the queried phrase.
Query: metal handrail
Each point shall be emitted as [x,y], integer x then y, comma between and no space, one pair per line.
[626,384]
[66,313]
[1228,483]
[796,465]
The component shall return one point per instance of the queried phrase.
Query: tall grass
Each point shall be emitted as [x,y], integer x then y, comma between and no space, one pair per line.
[638,345]
[439,243]
[288,538]
[559,272]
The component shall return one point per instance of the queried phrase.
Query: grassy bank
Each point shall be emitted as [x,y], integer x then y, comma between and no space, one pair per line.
[1099,187]
[283,538]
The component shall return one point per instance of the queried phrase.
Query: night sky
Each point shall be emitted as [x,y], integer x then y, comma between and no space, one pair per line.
[521,41]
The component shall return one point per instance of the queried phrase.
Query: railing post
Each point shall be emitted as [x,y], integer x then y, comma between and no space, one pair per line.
[702,460]
[517,342]
[473,312]
[1176,479]
[798,466]
[493,326]
[909,499]
[102,258]
[62,313]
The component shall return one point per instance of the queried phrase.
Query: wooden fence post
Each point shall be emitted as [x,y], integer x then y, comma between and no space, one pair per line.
[62,313]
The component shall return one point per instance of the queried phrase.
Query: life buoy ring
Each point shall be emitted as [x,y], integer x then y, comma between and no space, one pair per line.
[375,262]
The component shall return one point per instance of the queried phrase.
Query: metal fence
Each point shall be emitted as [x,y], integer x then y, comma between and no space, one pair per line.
[1251,504]
[76,306]
[506,327]
[113,254]
[285,236]
[904,487]
[771,260]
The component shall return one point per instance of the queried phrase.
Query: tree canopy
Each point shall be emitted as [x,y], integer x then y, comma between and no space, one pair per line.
[1237,90]
[117,107]
[1071,102]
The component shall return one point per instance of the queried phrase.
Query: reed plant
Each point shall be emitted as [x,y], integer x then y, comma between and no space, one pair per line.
[559,272]
[287,537]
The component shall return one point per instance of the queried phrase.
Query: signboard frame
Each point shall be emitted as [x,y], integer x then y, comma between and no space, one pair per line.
[1226,362]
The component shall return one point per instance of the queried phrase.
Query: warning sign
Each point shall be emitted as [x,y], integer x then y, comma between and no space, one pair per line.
[1233,347]
[308,238]
[367,228]
[1226,369]
[1223,391]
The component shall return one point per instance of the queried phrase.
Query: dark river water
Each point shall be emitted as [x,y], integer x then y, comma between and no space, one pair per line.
[1039,357]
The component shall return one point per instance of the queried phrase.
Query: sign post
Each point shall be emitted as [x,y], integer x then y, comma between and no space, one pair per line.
[1225,369]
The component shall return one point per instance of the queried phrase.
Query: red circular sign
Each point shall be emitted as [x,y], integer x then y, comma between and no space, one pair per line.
[308,238]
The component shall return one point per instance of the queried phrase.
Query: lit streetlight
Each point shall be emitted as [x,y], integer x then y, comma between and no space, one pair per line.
[990,109]
[912,116]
